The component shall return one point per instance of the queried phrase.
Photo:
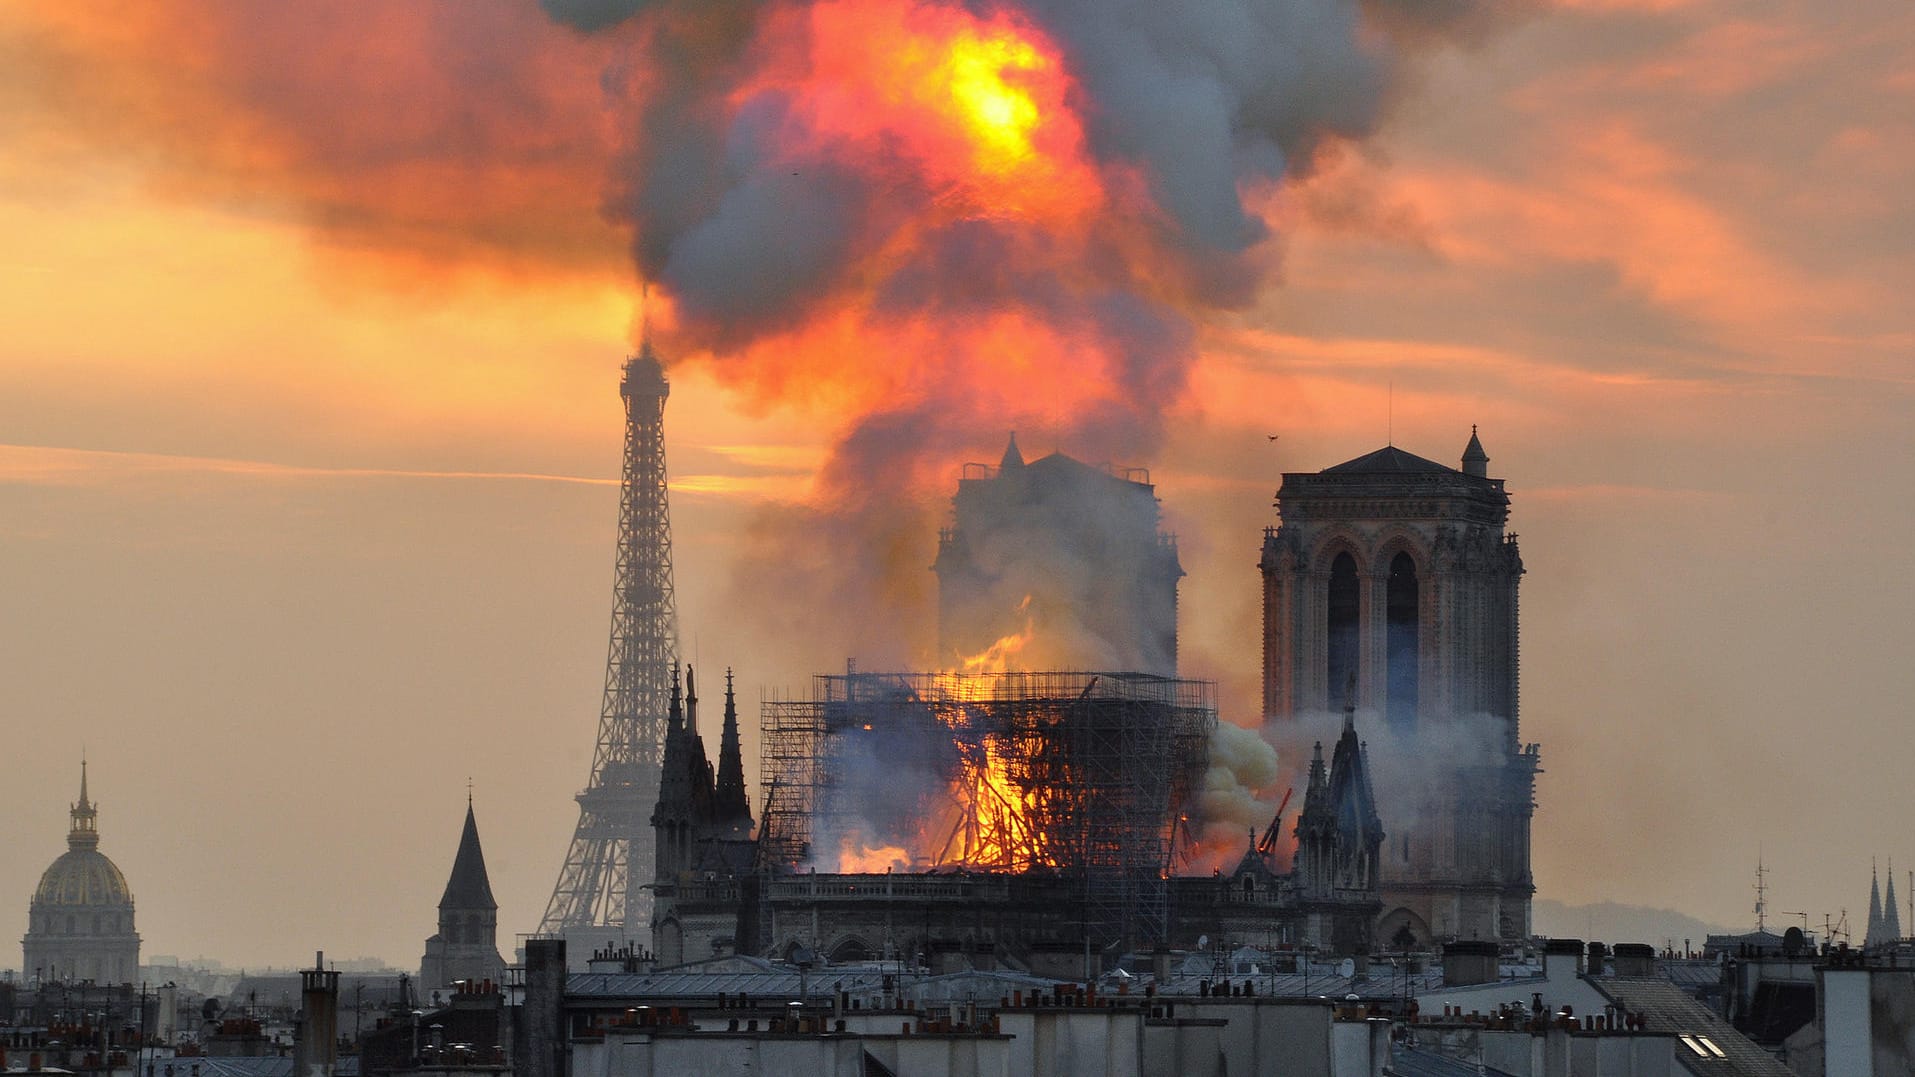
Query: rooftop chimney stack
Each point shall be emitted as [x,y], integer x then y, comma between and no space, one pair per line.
[316,1045]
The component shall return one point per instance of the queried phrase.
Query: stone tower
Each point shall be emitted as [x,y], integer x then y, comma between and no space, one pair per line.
[1064,553]
[1389,585]
[80,922]
[466,947]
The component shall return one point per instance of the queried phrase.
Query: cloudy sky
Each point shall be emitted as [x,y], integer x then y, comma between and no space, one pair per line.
[309,429]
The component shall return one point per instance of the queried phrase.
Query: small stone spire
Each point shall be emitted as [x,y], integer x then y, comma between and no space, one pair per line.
[732,804]
[1475,460]
[1013,459]
[1891,915]
[675,715]
[1874,935]
[691,703]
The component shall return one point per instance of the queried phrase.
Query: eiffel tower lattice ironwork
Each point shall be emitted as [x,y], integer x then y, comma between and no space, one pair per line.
[611,857]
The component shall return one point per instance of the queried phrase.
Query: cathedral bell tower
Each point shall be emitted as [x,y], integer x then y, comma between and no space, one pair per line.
[1390,587]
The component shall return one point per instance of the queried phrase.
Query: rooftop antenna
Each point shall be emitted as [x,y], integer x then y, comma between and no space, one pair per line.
[1761,893]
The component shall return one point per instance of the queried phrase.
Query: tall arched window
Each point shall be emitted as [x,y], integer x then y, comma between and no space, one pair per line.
[1345,616]
[1400,641]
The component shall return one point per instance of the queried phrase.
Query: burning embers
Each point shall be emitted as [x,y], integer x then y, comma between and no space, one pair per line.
[1001,772]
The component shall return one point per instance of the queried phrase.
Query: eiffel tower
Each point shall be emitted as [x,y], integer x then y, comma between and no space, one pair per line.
[600,895]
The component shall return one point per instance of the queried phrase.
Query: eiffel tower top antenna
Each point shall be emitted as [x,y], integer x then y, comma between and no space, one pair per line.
[600,892]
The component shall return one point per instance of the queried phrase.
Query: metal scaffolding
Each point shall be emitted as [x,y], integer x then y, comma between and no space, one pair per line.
[1080,774]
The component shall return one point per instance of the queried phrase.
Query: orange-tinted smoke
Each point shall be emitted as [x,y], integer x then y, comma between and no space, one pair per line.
[434,137]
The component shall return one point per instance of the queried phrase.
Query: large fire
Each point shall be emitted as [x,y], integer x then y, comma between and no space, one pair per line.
[986,816]
[1010,797]
[972,109]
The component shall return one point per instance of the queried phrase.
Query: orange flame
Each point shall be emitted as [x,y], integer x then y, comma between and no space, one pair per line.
[856,856]
[972,108]
[990,822]
[953,118]
[999,656]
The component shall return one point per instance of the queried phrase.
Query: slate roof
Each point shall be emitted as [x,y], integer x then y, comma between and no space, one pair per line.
[1406,1061]
[274,1066]
[469,887]
[1388,459]
[1670,1011]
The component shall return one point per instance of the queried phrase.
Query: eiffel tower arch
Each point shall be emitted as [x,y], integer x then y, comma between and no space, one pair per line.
[600,896]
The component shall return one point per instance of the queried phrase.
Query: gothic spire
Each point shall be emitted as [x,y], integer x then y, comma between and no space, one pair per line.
[1891,916]
[691,703]
[1874,935]
[732,804]
[675,716]
[469,887]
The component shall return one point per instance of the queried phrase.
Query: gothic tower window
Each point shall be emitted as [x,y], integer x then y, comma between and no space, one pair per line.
[1400,642]
[1345,612]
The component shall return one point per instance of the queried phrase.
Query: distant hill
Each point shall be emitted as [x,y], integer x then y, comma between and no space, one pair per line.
[1612,922]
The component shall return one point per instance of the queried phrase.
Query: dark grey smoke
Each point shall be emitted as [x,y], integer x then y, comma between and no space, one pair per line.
[591,15]
[753,224]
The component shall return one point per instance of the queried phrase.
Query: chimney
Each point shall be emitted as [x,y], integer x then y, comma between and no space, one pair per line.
[1562,958]
[541,1046]
[1597,954]
[316,1040]
[1635,959]
[1469,961]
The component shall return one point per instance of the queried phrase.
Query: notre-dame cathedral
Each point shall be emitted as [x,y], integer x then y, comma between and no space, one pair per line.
[1389,583]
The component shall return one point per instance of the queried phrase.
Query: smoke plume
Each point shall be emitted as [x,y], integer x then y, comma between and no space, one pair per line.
[930,221]
[1234,805]
[1415,774]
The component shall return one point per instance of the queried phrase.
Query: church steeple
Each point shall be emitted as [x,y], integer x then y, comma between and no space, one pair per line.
[1891,916]
[85,831]
[469,887]
[731,804]
[1874,935]
[466,947]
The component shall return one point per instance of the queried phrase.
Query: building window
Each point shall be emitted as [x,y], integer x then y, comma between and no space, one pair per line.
[1345,616]
[1400,642]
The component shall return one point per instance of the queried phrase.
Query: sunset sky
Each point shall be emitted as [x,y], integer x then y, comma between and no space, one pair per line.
[311,320]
